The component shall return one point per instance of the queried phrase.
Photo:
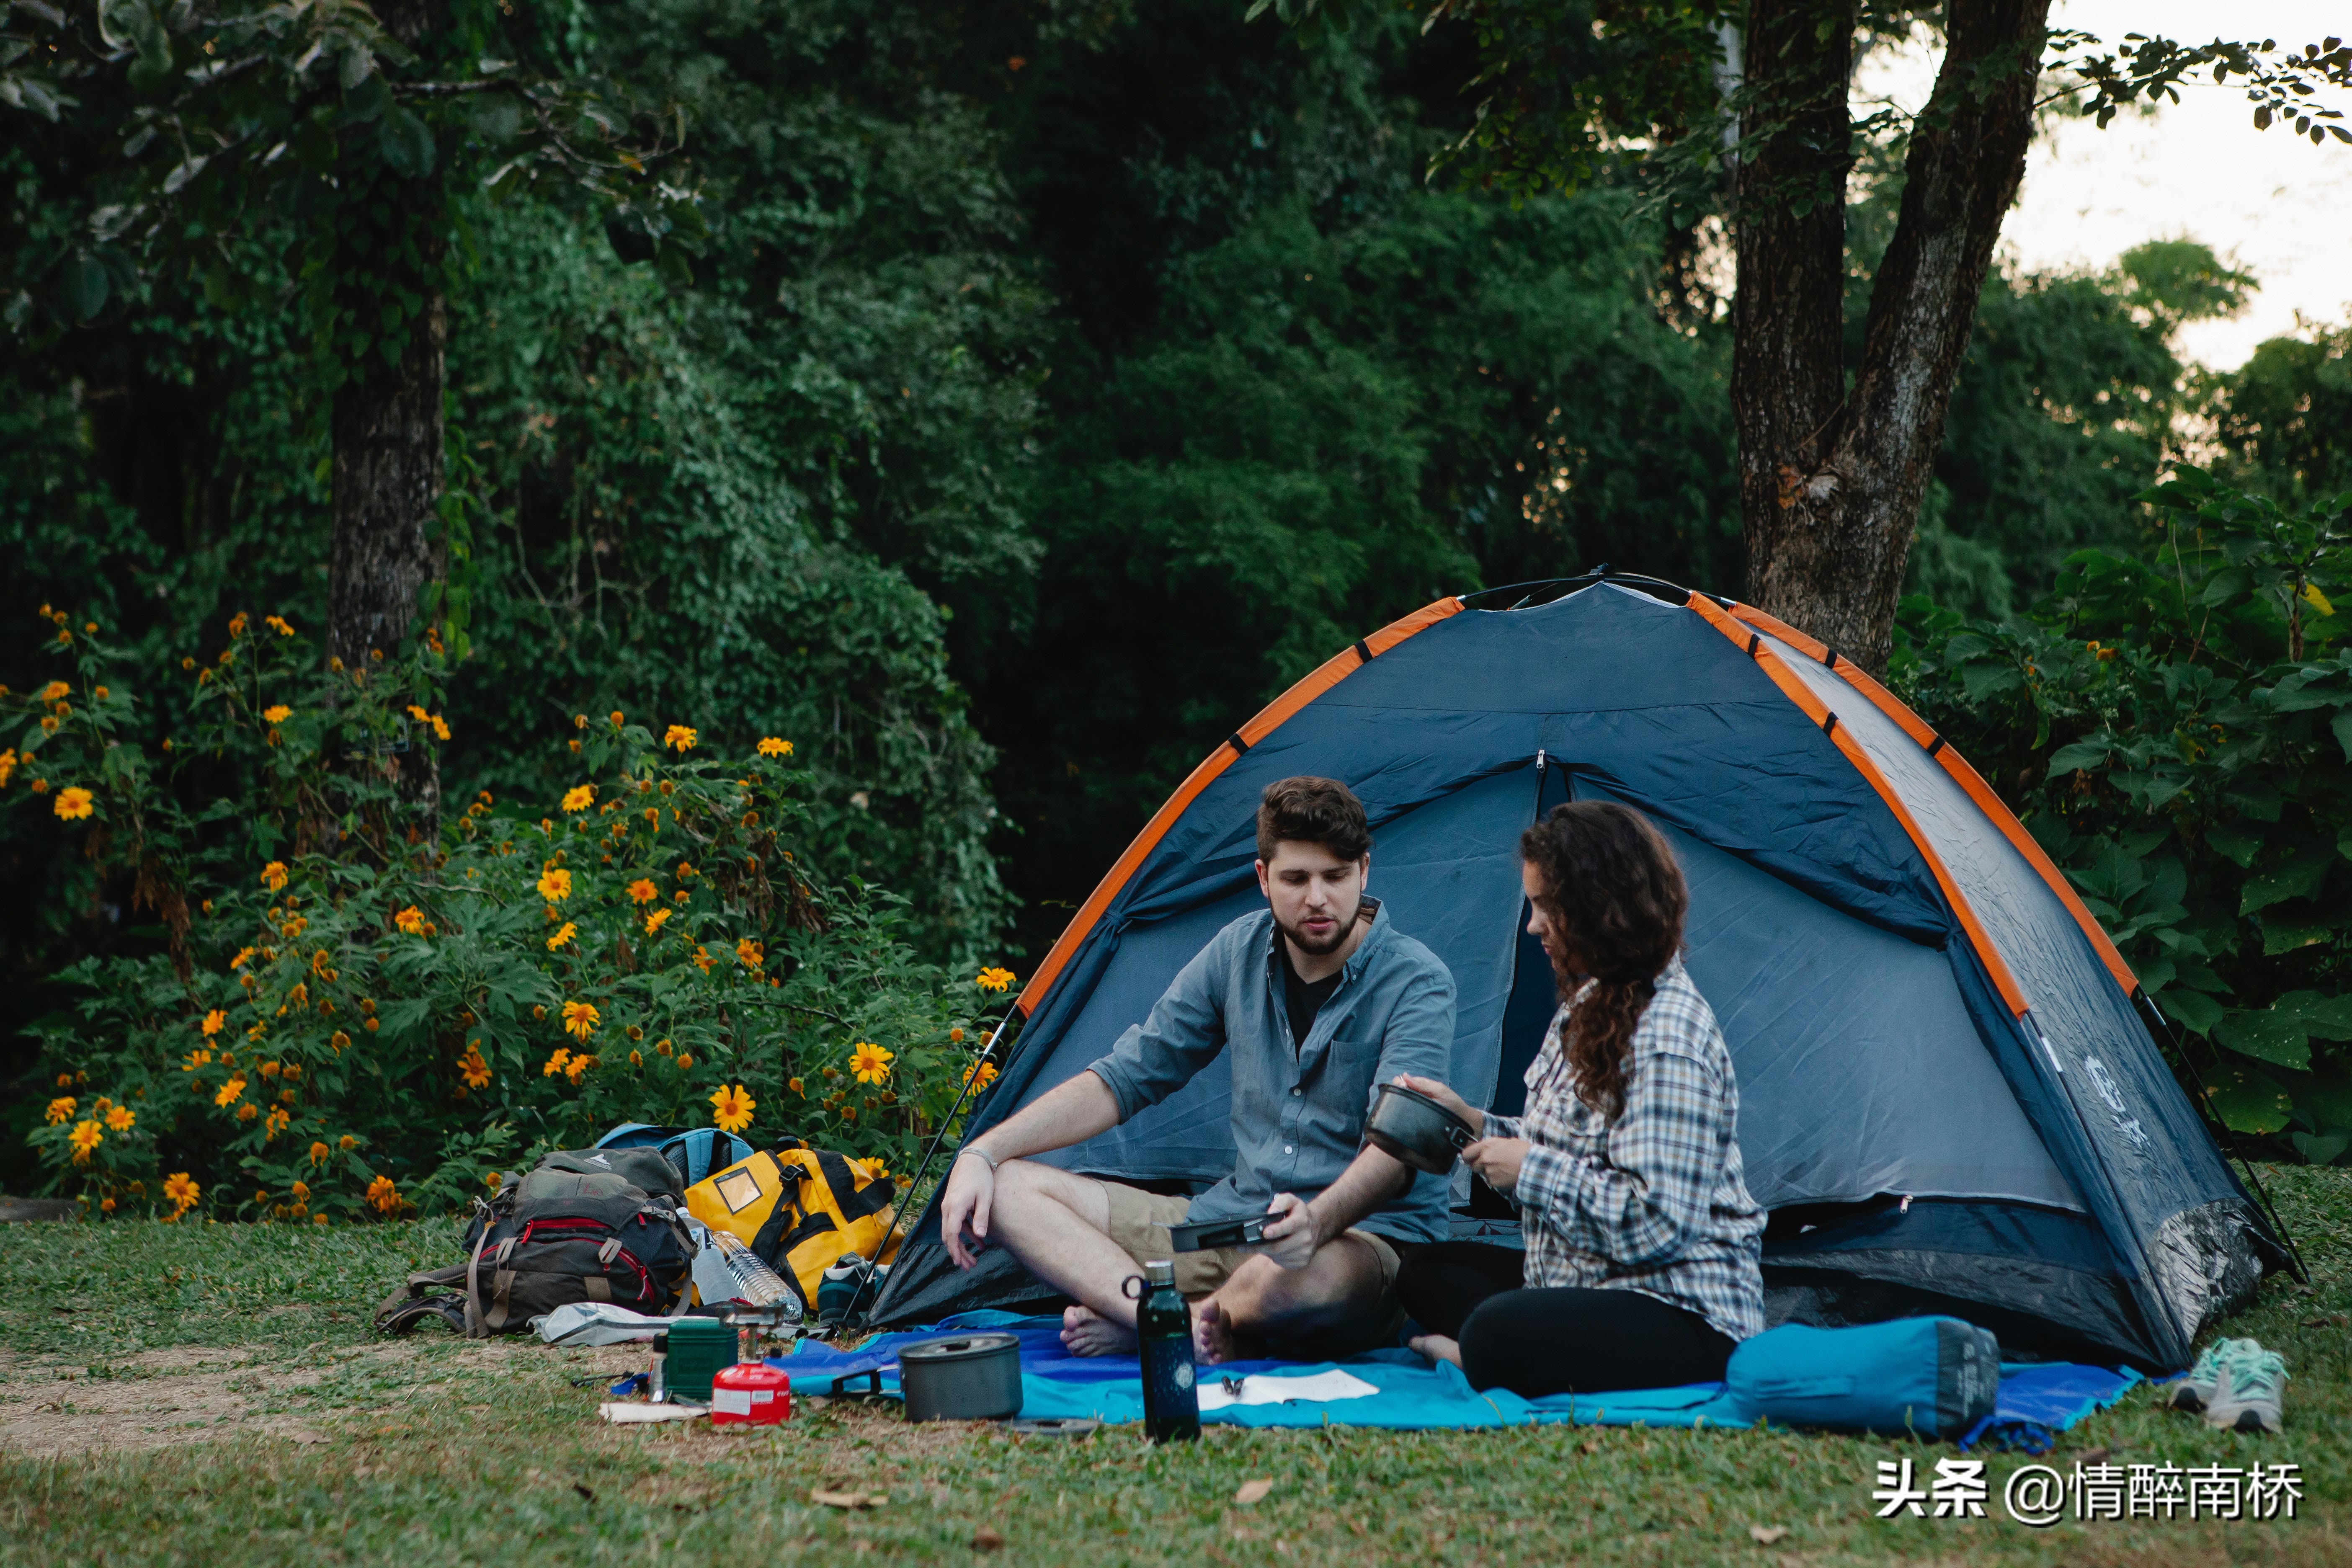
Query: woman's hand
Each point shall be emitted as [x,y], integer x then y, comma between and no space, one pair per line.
[1444,1097]
[1497,1160]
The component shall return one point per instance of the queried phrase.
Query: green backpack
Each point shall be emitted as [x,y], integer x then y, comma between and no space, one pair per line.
[584,1225]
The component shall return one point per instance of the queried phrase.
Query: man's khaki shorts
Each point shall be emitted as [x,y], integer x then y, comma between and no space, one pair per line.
[1139,1222]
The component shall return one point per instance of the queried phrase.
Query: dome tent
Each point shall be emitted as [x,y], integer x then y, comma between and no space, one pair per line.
[1948,1100]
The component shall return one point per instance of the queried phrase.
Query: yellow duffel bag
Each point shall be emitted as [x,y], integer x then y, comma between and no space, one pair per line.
[801,1209]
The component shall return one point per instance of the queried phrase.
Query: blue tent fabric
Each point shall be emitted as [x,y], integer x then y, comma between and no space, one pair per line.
[1879,1056]
[2035,1401]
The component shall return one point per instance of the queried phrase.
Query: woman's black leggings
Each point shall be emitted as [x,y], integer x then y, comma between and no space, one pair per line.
[1566,1341]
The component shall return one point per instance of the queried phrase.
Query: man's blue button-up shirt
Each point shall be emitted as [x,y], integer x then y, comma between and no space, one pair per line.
[1299,1107]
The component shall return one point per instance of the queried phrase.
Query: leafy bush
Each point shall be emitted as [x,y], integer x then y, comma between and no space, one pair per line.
[2176,731]
[361,1005]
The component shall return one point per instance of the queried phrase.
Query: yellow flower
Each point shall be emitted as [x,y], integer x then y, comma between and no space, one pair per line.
[195,1060]
[383,1195]
[419,714]
[338,1040]
[994,980]
[702,959]
[410,919]
[182,1192]
[300,1193]
[86,1136]
[685,873]
[73,802]
[870,1063]
[217,1020]
[986,1072]
[347,1142]
[731,1107]
[273,876]
[246,1112]
[772,747]
[280,625]
[60,1110]
[797,1087]
[120,1118]
[615,717]
[751,954]
[637,1059]
[242,954]
[563,933]
[579,797]
[319,1152]
[277,713]
[237,625]
[678,738]
[556,1063]
[476,1070]
[278,1118]
[684,1061]
[229,1091]
[578,1064]
[872,1170]
[555,884]
[643,891]
[655,921]
[8,766]
[56,690]
[580,1019]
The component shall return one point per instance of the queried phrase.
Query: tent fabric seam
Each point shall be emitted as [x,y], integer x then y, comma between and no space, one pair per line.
[1949,757]
[1795,690]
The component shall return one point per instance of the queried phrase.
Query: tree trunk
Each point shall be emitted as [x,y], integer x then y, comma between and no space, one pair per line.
[387,431]
[1832,478]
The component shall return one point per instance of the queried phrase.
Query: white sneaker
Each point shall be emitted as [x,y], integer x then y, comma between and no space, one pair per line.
[2194,1393]
[2247,1398]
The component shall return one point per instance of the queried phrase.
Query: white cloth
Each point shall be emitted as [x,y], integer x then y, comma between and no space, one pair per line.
[630,1414]
[596,1323]
[1266,1388]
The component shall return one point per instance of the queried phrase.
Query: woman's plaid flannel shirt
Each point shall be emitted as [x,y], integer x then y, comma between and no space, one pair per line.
[1653,1200]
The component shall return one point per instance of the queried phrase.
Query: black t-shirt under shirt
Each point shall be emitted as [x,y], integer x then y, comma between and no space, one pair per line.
[1302,999]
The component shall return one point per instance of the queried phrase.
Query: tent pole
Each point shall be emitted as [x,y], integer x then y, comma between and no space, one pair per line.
[987,1053]
[2159,1030]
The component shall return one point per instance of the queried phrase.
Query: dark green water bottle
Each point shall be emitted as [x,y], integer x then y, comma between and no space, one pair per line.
[1163,1332]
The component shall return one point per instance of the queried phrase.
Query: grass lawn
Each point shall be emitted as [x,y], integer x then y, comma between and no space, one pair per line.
[213,1394]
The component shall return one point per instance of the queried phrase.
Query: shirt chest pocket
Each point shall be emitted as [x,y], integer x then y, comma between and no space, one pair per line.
[1575,1127]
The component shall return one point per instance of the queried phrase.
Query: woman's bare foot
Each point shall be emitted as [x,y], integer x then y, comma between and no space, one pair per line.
[1437,1348]
[1085,1331]
[1213,1336]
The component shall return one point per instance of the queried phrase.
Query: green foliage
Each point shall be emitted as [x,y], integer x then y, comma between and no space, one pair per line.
[2286,415]
[350,1016]
[2178,732]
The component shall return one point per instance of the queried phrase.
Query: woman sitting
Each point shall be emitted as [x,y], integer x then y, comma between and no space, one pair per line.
[1641,1268]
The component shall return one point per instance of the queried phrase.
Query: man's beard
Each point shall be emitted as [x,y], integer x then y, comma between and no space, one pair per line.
[1301,942]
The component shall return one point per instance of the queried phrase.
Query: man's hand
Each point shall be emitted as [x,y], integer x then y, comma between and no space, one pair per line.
[1498,1160]
[1291,1239]
[1447,1098]
[972,1188]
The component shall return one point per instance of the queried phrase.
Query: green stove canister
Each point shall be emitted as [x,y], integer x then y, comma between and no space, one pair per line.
[699,1347]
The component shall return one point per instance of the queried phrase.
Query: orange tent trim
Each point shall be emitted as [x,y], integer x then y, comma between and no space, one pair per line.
[1793,687]
[1324,676]
[1967,777]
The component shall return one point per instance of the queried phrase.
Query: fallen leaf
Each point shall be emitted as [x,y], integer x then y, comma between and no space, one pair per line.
[1254,1490]
[841,1500]
[986,1540]
[583,1491]
[2092,1455]
[1765,1534]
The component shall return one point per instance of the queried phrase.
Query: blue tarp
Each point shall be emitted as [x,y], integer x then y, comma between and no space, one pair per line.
[2035,1401]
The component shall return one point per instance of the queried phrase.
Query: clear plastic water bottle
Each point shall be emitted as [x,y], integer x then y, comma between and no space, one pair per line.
[656,1388]
[1163,1334]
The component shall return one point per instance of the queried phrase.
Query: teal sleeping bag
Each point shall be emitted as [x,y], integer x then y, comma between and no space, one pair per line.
[1928,1377]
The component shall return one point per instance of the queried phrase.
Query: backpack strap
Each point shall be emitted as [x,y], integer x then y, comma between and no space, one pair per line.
[477,1324]
[420,1295]
[502,1287]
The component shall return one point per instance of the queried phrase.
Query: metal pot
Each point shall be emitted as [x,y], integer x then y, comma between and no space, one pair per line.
[1416,1128]
[964,1377]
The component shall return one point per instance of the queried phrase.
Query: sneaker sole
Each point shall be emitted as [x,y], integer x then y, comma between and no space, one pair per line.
[2244,1420]
[2189,1400]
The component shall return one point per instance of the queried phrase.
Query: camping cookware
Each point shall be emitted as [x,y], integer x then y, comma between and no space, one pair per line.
[698,1347]
[965,1378]
[752,1396]
[1416,1128]
[1216,1233]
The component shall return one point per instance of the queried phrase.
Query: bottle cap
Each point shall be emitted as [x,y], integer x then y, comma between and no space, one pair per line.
[1160,1271]
[661,1344]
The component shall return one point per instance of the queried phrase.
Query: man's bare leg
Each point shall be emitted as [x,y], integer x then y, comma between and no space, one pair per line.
[1058,1226]
[1262,1298]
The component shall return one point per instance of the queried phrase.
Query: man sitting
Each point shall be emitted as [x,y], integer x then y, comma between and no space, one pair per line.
[1316,999]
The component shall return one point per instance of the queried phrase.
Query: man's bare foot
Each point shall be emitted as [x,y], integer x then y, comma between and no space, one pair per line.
[1085,1331]
[1213,1336]
[1437,1348]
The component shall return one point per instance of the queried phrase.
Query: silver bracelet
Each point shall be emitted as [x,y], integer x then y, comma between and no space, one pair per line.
[976,1149]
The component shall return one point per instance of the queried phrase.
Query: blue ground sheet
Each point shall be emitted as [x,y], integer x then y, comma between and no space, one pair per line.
[2036,1401]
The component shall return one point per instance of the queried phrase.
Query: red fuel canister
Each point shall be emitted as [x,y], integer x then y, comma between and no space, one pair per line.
[751,1395]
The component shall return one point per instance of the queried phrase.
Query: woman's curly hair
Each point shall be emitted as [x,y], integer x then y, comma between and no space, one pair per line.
[1615,896]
